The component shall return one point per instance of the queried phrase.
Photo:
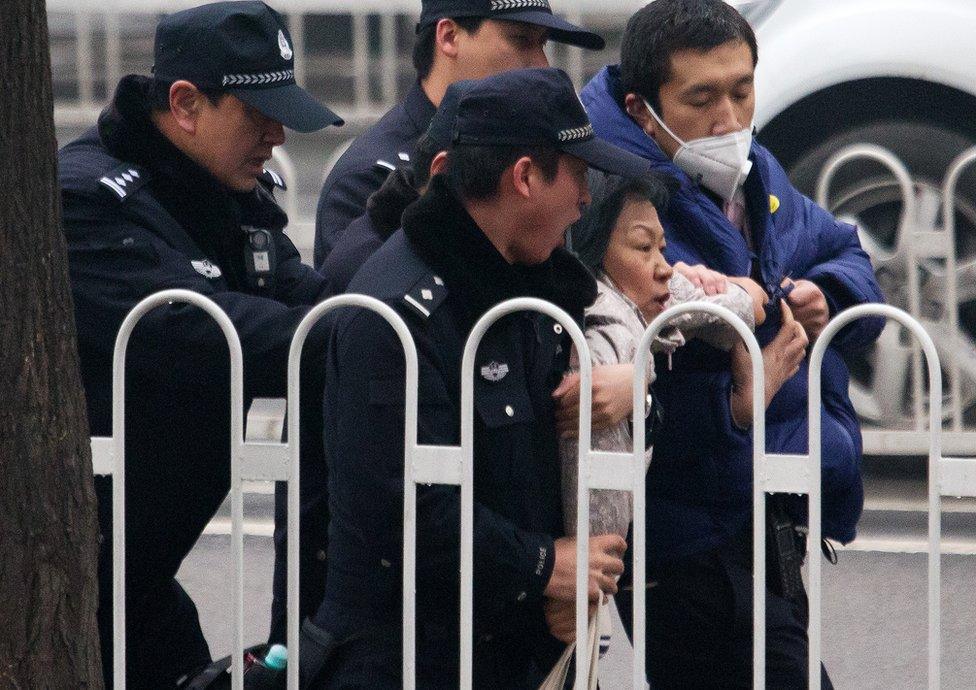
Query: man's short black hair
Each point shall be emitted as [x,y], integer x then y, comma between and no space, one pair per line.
[159,95]
[611,193]
[662,28]
[423,47]
[475,171]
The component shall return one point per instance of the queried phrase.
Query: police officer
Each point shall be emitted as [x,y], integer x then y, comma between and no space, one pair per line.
[402,187]
[169,191]
[456,39]
[489,229]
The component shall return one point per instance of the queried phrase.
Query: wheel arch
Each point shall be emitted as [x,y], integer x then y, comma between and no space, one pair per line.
[810,121]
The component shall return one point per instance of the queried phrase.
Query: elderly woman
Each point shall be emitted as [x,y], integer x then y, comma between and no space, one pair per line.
[622,241]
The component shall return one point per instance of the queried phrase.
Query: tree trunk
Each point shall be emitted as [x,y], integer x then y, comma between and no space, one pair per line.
[48,528]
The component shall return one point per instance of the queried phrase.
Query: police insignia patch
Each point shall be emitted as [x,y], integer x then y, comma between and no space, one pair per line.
[426,295]
[286,51]
[124,180]
[494,371]
[207,269]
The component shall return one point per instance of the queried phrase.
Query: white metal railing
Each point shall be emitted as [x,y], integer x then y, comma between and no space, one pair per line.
[453,465]
[640,499]
[410,441]
[249,461]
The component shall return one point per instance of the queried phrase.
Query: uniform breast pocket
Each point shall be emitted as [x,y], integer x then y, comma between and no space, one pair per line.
[503,432]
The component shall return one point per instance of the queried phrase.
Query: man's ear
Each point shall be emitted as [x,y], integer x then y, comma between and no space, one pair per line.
[446,38]
[637,110]
[185,105]
[439,164]
[523,176]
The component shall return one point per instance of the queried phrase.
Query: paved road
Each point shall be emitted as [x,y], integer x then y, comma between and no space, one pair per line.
[874,614]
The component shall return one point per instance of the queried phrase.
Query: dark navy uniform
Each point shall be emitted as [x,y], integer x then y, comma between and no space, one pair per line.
[365,165]
[367,233]
[441,273]
[139,217]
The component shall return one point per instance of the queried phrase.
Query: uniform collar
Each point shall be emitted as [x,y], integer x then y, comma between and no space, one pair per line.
[127,130]
[450,242]
[418,107]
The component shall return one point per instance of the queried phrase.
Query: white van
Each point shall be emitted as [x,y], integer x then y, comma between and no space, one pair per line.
[900,74]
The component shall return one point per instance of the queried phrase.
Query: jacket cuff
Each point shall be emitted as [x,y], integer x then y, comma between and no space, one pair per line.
[540,559]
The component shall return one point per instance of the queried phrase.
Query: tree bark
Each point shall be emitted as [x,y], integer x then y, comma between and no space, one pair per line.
[48,527]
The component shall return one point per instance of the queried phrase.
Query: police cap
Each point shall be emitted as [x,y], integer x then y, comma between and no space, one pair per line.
[442,124]
[244,49]
[535,12]
[537,107]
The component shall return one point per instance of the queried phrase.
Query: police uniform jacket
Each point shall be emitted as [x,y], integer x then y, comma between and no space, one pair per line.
[441,273]
[140,217]
[366,163]
[384,210]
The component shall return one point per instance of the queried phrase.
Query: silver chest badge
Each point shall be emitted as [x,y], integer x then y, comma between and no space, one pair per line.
[493,371]
[286,51]
[206,268]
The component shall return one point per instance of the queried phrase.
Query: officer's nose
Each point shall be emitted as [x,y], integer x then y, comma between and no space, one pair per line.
[274,133]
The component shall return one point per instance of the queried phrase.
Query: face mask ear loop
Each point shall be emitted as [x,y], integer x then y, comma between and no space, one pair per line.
[667,129]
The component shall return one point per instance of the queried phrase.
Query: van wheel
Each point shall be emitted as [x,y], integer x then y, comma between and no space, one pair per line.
[867,193]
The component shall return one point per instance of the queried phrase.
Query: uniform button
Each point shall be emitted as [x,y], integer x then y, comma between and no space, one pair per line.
[509,410]
[521,596]
[320,554]
[558,328]
[486,638]
[385,563]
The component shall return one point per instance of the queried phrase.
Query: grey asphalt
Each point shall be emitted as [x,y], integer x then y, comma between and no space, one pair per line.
[874,614]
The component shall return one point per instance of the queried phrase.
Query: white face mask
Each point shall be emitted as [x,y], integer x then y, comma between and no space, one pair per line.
[719,163]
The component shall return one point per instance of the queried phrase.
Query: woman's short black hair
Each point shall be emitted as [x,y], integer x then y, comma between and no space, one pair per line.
[591,233]
[664,27]
[423,47]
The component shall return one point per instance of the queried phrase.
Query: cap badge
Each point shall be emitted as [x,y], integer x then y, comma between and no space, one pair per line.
[286,52]
[493,371]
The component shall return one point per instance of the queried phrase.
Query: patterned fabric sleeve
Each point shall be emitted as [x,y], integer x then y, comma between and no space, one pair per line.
[711,329]
[612,340]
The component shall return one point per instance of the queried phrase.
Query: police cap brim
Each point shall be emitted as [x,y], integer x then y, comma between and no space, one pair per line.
[291,105]
[560,30]
[608,158]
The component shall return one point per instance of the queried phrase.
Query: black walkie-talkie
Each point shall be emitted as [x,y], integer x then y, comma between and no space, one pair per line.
[260,260]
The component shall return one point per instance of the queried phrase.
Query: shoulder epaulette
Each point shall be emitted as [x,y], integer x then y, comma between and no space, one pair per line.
[426,295]
[124,180]
[272,179]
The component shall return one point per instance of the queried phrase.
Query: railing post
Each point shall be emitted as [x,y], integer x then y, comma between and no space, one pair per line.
[934,434]
[118,468]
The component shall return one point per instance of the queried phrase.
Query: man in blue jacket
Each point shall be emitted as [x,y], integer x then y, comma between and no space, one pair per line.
[683,98]
[169,191]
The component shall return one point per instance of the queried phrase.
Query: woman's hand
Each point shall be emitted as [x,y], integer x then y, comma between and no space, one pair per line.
[712,282]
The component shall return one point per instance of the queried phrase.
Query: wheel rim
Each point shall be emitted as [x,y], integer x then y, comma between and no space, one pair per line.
[874,206]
